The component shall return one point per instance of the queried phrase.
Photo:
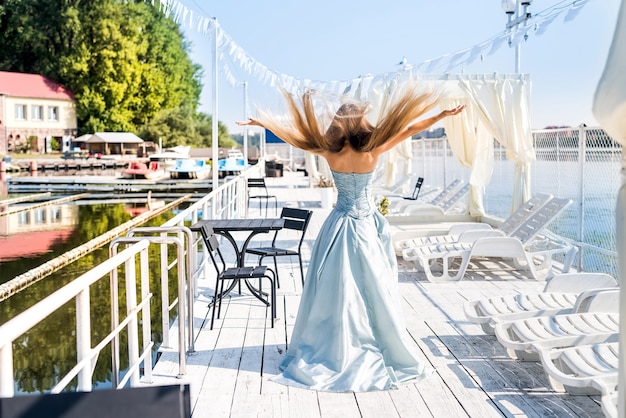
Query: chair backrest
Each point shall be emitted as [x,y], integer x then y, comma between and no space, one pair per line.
[533,225]
[455,198]
[516,219]
[257,183]
[445,193]
[295,219]
[213,247]
[418,186]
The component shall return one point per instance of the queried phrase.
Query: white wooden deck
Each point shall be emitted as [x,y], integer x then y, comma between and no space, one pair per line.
[229,373]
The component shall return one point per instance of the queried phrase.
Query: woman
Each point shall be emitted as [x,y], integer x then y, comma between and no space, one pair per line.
[349,333]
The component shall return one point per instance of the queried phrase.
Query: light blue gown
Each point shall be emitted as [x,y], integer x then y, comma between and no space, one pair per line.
[349,333]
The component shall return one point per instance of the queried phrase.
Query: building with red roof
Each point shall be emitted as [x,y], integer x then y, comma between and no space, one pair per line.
[33,110]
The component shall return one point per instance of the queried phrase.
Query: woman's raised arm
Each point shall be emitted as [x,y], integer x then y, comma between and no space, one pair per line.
[419,126]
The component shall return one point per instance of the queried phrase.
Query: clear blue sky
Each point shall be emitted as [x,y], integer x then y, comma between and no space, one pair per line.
[341,39]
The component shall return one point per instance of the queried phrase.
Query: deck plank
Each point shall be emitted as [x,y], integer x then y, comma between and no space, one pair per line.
[230,373]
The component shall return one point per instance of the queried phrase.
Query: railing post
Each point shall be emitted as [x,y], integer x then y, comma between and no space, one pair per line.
[131,303]
[6,371]
[145,314]
[115,320]
[83,339]
[582,156]
[165,295]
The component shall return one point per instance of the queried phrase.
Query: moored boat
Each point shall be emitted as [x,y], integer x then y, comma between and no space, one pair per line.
[137,170]
[169,156]
[235,162]
[190,169]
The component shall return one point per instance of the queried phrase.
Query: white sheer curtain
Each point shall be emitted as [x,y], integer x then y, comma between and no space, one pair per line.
[609,107]
[472,147]
[311,168]
[397,161]
[502,105]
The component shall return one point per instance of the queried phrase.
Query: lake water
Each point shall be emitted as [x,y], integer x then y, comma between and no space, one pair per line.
[49,349]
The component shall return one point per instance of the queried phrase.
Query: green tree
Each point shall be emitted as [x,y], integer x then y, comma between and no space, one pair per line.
[124,61]
[181,126]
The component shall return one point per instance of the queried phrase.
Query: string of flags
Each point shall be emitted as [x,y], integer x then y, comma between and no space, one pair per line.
[231,55]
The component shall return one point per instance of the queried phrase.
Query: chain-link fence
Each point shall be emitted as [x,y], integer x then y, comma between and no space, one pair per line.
[591,182]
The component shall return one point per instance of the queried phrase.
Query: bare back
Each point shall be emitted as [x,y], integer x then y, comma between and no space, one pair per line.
[350,161]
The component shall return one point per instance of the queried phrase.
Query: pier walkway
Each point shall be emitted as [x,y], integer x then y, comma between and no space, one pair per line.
[229,374]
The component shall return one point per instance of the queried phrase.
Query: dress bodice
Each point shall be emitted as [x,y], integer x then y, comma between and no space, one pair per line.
[354,197]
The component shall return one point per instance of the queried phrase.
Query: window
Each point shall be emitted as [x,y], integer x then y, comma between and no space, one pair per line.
[41,215]
[20,112]
[37,112]
[23,218]
[53,113]
[55,214]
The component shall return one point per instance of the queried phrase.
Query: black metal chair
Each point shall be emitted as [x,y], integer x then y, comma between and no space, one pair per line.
[258,185]
[235,274]
[295,219]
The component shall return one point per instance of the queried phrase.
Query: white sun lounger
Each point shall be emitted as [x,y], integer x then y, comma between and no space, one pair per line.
[399,207]
[589,369]
[439,209]
[524,338]
[506,228]
[523,244]
[563,293]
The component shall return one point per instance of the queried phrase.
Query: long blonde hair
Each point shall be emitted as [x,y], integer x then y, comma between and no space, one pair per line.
[349,124]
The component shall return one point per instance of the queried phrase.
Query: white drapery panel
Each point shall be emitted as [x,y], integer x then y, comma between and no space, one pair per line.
[609,107]
[473,147]
[311,168]
[502,104]
[398,161]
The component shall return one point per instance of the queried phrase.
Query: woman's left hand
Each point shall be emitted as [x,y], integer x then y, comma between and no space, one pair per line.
[454,111]
[250,121]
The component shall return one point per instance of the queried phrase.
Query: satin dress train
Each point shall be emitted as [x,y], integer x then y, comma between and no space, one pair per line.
[349,333]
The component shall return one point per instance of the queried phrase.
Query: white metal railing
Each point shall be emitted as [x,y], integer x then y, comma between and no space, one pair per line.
[78,290]
[581,163]
[227,201]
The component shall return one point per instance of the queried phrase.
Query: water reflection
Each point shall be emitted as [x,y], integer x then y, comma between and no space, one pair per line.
[49,350]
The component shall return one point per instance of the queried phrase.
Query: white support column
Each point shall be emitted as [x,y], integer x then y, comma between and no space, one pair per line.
[245,128]
[214,129]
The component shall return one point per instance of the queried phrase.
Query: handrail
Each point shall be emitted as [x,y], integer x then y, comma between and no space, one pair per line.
[132,337]
[77,289]
[228,200]
[192,286]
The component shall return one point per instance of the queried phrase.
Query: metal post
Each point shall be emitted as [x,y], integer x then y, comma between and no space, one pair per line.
[165,296]
[6,371]
[83,339]
[133,333]
[518,47]
[214,129]
[145,315]
[115,321]
[582,151]
[245,128]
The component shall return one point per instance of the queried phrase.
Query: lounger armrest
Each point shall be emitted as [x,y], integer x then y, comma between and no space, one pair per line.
[579,282]
[471,313]
[458,229]
[598,300]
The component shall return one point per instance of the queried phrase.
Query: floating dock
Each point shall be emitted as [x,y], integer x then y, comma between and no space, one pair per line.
[100,183]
